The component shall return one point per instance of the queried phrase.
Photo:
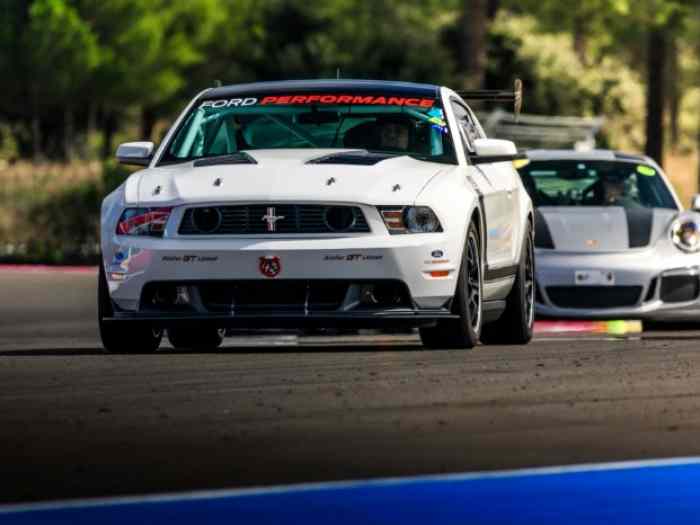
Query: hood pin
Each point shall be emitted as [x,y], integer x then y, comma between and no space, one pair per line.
[217,182]
[156,190]
[330,181]
[396,188]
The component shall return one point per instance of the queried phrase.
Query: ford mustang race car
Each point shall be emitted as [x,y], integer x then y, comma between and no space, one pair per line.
[612,240]
[317,204]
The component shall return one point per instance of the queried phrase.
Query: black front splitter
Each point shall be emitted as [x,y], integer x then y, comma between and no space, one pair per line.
[370,319]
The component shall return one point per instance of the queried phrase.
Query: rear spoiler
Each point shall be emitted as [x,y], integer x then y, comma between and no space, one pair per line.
[494,95]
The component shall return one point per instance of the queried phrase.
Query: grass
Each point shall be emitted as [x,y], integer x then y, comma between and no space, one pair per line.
[49,213]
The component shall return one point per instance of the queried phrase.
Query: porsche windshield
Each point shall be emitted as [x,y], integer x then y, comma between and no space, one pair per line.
[378,123]
[595,183]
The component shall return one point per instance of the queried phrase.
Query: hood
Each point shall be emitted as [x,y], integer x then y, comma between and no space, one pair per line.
[599,229]
[286,175]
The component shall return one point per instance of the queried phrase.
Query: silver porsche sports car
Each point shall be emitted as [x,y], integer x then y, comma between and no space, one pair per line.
[611,237]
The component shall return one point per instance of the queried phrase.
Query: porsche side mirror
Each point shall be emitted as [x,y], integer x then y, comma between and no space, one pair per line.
[494,150]
[695,202]
[136,153]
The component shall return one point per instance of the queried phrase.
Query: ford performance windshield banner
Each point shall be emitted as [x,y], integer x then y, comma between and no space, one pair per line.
[328,99]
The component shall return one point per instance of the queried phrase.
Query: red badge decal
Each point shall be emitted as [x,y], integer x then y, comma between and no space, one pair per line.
[270,266]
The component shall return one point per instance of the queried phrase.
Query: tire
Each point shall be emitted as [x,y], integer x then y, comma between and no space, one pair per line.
[197,338]
[462,333]
[651,325]
[125,337]
[515,325]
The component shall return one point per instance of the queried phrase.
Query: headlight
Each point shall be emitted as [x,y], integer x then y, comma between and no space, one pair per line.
[147,222]
[685,233]
[410,219]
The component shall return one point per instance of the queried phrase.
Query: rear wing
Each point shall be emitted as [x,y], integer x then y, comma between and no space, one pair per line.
[494,95]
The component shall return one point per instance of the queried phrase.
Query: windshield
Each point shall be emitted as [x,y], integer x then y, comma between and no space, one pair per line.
[595,183]
[378,123]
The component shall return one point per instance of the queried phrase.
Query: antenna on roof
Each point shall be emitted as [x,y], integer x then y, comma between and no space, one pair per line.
[217,83]
[337,73]
[495,95]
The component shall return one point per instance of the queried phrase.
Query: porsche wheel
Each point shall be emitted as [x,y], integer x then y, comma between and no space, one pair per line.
[124,337]
[515,325]
[201,339]
[462,333]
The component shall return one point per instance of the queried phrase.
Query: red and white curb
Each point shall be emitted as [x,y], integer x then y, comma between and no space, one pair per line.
[618,327]
[45,268]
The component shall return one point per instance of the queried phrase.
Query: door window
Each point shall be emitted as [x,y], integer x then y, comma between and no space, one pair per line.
[467,128]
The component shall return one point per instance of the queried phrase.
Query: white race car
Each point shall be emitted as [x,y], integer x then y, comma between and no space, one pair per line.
[316,204]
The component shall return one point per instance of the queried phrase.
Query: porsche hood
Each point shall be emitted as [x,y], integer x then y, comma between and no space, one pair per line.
[599,229]
[287,175]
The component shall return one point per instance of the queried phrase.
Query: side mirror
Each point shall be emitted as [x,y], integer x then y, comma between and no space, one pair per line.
[695,202]
[136,153]
[495,150]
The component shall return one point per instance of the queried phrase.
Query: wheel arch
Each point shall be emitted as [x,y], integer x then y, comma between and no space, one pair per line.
[477,217]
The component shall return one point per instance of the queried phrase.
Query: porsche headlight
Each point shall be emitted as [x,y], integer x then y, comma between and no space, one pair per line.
[685,233]
[410,219]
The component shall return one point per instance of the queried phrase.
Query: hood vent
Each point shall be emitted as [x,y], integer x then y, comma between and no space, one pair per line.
[235,158]
[355,158]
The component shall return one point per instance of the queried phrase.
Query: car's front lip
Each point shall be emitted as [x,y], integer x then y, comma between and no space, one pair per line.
[658,310]
[286,319]
[630,268]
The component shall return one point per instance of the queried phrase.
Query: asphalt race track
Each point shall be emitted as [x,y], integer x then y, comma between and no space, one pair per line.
[75,422]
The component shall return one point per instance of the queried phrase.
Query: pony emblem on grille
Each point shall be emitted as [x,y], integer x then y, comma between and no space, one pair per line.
[272,219]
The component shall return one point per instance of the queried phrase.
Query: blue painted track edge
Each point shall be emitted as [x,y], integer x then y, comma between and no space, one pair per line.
[335,485]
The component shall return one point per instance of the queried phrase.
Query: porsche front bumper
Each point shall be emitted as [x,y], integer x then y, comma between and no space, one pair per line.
[636,284]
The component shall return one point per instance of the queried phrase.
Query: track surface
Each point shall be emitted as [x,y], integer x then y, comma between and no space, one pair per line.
[75,422]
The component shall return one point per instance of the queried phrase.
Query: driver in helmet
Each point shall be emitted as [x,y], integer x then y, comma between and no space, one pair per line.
[611,190]
[394,134]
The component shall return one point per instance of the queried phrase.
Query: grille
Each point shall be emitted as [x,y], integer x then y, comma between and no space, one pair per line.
[290,218]
[273,295]
[594,296]
[284,295]
[679,288]
[652,290]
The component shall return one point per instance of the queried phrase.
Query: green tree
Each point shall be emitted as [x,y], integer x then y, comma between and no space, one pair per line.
[145,48]
[603,28]
[50,53]
[62,49]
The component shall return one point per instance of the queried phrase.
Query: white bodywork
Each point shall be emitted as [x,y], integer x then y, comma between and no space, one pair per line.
[456,193]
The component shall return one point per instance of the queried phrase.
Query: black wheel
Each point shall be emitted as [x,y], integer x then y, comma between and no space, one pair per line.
[514,327]
[196,338]
[124,337]
[462,333]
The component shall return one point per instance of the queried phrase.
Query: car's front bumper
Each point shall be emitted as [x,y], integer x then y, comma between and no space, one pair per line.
[645,284]
[132,264]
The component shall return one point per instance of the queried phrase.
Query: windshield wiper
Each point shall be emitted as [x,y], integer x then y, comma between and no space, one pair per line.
[240,157]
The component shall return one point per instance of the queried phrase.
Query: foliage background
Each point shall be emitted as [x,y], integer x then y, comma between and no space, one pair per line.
[78,76]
